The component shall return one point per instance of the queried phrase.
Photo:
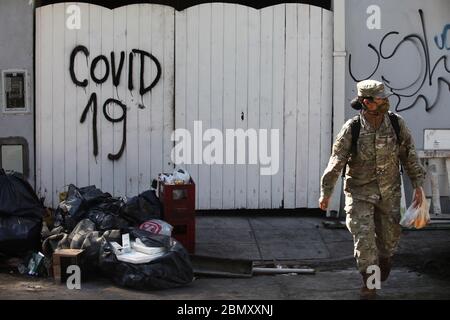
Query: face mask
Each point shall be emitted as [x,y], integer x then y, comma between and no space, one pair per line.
[383,108]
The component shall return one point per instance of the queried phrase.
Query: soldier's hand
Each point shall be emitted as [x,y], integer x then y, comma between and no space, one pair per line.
[323,203]
[417,200]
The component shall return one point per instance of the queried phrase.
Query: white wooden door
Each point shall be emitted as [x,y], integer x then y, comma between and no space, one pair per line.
[65,146]
[237,67]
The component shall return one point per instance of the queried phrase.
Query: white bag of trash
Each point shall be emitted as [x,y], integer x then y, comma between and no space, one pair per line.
[417,217]
[157,226]
[179,176]
[139,252]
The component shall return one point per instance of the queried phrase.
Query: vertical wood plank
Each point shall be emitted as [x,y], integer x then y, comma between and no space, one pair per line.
[168,81]
[95,48]
[229,100]
[254,72]
[132,102]
[71,116]
[267,20]
[327,90]
[303,106]
[192,111]
[290,108]
[58,100]
[120,93]
[84,130]
[107,92]
[314,106]
[181,78]
[157,93]
[279,33]
[144,119]
[204,99]
[217,51]
[241,108]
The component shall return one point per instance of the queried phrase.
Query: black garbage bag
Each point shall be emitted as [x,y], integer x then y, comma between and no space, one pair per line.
[80,201]
[21,215]
[141,208]
[59,218]
[173,269]
[17,197]
[106,221]
[91,195]
[71,210]
[106,215]
[19,235]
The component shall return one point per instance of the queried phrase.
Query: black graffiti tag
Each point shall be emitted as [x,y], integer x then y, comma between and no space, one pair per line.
[422,45]
[115,72]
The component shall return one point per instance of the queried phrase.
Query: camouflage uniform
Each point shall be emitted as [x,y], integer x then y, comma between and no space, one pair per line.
[372,185]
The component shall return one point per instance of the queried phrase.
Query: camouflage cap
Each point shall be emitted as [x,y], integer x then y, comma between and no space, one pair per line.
[372,88]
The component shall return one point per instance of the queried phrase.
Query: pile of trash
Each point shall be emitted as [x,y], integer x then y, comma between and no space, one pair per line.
[21,215]
[124,239]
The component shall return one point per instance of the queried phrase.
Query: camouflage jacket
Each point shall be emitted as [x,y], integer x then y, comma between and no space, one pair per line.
[374,171]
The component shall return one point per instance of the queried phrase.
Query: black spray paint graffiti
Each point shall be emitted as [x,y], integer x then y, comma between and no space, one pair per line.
[421,43]
[115,74]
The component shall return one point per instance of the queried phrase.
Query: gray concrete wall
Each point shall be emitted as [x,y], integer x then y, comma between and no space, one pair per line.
[406,58]
[16,52]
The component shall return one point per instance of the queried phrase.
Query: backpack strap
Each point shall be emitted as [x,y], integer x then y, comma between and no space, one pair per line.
[394,121]
[355,127]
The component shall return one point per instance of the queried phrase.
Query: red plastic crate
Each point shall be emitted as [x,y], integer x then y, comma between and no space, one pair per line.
[180,213]
[185,233]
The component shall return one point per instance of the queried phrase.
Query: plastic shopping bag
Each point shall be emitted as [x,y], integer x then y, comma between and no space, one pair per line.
[417,217]
[157,227]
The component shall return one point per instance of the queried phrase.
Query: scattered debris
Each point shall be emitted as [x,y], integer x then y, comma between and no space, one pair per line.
[32,287]
[293,271]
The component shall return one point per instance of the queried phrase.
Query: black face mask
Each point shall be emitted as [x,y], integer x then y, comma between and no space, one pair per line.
[381,109]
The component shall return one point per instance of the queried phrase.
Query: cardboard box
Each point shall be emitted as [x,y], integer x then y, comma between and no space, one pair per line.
[62,259]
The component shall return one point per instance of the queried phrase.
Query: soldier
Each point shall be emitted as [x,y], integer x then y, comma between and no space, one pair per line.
[372,179]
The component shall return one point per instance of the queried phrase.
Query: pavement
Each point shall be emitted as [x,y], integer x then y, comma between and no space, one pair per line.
[270,238]
[421,266]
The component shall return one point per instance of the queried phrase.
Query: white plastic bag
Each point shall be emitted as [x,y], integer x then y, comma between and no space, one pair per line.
[181,176]
[417,217]
[157,227]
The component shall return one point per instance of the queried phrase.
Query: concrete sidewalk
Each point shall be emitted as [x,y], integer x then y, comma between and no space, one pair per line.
[270,238]
[421,267]
[305,240]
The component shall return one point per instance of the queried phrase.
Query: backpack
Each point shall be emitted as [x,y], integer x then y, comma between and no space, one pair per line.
[355,127]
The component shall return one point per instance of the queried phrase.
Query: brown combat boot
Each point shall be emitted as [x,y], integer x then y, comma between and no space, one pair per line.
[385,268]
[366,293]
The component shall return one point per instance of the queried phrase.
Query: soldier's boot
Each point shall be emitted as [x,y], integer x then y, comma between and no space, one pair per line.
[366,293]
[385,268]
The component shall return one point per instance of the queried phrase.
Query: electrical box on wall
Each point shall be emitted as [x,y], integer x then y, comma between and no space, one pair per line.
[14,155]
[436,139]
[15,91]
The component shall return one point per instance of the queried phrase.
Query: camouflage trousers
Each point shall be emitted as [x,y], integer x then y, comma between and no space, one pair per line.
[375,228]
